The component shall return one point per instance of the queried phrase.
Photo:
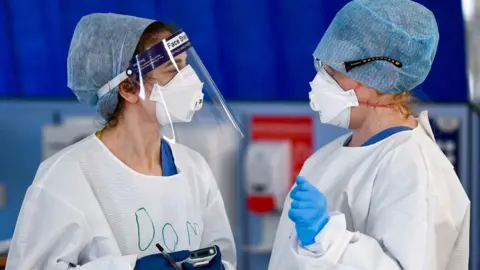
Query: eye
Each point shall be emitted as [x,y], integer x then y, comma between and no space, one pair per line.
[171,72]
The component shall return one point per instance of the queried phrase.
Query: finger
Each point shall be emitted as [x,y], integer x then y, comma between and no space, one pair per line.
[312,212]
[304,184]
[323,203]
[309,195]
[300,180]
[295,191]
[180,255]
[293,215]
[324,220]
[303,205]
[187,266]
[300,216]
[303,196]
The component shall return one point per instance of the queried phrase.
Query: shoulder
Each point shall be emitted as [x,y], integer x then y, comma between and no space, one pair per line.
[414,162]
[63,163]
[419,146]
[416,171]
[59,180]
[410,156]
[415,149]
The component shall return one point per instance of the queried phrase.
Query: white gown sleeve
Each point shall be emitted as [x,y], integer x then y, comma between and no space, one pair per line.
[51,234]
[217,230]
[408,226]
[461,250]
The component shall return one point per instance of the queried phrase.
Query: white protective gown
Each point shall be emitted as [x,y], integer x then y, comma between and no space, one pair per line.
[400,206]
[87,210]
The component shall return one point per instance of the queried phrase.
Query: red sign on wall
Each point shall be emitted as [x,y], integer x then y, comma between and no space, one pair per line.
[298,130]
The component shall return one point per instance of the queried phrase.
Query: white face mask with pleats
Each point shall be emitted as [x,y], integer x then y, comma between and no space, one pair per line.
[332,103]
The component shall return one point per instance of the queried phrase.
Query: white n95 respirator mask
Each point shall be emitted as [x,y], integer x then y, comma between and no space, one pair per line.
[331,102]
[179,99]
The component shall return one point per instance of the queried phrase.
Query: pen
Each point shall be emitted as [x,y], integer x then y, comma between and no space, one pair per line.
[169,259]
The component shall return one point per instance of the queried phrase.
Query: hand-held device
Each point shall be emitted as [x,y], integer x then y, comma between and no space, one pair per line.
[201,257]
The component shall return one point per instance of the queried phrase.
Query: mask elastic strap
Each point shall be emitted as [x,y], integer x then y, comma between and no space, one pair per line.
[112,84]
[364,103]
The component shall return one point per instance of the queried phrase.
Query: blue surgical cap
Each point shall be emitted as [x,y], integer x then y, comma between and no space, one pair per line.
[101,48]
[386,34]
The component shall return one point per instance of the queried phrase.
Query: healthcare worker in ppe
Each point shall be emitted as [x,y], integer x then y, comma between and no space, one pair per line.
[106,201]
[383,196]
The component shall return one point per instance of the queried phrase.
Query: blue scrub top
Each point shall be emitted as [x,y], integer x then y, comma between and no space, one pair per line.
[168,162]
[382,135]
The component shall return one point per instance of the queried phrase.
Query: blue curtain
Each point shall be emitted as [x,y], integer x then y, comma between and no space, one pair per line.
[255,50]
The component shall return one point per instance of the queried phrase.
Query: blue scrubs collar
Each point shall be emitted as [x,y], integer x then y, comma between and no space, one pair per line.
[382,135]
[168,162]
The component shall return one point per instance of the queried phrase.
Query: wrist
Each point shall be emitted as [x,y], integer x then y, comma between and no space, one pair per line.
[331,230]
[317,229]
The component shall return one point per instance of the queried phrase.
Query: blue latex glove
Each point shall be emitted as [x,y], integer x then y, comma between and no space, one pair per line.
[308,211]
[159,262]
[215,263]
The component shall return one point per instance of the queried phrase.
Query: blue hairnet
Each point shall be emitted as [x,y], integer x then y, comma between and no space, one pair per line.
[400,30]
[101,48]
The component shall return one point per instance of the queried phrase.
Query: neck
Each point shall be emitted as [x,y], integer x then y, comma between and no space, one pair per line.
[377,121]
[135,143]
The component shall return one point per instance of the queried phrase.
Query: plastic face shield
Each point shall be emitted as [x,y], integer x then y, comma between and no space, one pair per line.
[171,76]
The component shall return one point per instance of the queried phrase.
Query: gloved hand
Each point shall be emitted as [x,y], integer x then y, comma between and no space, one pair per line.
[308,211]
[159,262]
[214,264]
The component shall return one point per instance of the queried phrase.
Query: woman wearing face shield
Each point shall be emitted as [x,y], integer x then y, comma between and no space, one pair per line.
[106,201]
[383,196]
